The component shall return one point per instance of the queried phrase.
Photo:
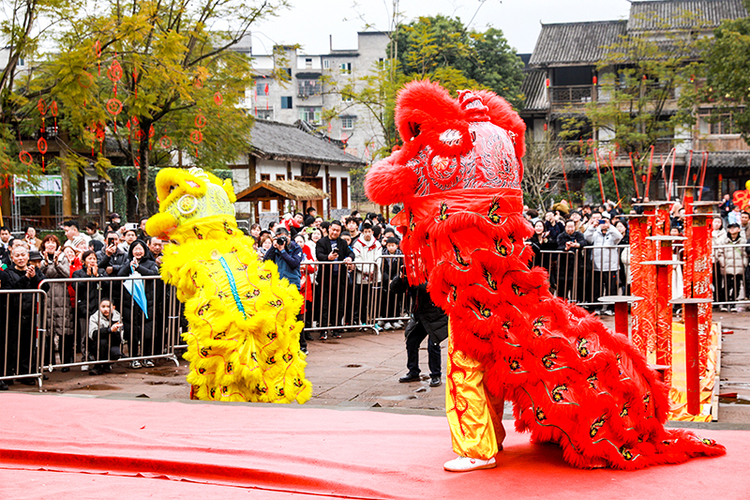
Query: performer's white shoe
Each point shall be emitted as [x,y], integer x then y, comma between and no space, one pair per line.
[466,464]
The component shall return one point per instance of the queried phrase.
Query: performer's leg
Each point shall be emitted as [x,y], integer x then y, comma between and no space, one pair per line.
[469,416]
[497,406]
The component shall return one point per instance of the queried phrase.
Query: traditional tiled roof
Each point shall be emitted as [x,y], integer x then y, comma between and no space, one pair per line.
[676,14]
[279,141]
[723,159]
[535,91]
[575,43]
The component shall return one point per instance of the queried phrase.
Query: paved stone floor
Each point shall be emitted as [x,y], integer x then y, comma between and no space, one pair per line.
[361,370]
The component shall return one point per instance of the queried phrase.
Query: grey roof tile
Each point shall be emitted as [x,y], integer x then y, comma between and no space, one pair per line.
[535,91]
[675,14]
[575,43]
[279,141]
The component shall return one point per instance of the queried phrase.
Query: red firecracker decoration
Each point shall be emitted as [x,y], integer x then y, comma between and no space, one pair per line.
[53,111]
[114,106]
[41,145]
[98,54]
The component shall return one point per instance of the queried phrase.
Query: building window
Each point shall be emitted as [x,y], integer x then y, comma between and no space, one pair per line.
[308,87]
[717,122]
[326,64]
[346,98]
[347,122]
[286,102]
[344,192]
[261,88]
[346,68]
[264,114]
[308,62]
[265,205]
[288,72]
[310,114]
[280,177]
[334,192]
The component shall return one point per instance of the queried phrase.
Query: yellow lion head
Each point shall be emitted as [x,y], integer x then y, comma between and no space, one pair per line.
[186,196]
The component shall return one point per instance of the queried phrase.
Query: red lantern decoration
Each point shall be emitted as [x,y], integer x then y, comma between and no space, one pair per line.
[218,99]
[200,121]
[196,137]
[165,142]
[25,158]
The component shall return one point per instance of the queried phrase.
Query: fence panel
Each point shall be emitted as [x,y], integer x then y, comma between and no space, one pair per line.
[731,275]
[108,319]
[22,319]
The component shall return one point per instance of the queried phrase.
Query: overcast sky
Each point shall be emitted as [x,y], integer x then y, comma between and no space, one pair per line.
[310,22]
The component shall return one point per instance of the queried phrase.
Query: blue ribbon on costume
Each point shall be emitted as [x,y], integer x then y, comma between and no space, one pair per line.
[233,286]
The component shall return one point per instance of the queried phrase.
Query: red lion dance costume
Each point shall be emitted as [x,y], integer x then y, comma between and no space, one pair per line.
[571,380]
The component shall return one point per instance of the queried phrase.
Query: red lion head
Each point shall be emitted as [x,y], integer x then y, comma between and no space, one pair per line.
[475,141]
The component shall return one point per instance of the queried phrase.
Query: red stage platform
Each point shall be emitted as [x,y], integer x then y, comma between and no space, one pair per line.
[68,447]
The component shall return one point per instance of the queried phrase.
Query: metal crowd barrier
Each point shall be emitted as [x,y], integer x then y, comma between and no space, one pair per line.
[78,333]
[22,322]
[731,275]
[346,296]
[583,275]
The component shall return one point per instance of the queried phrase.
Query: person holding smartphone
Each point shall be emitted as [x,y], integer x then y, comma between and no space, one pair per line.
[333,277]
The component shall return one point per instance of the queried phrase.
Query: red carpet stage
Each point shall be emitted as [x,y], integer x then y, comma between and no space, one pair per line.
[68,447]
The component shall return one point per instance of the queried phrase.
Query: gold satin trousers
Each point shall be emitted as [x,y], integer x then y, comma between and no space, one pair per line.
[474,415]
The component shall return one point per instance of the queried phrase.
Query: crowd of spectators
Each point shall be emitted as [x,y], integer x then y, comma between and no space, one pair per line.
[344,269]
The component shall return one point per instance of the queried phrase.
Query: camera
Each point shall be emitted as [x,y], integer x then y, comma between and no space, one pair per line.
[281,240]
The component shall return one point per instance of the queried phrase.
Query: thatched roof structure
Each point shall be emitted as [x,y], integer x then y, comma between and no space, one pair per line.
[281,190]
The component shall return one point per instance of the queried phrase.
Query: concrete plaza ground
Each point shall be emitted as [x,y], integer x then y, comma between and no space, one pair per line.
[361,370]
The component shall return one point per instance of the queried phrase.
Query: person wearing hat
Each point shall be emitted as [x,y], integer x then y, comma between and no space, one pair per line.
[733,260]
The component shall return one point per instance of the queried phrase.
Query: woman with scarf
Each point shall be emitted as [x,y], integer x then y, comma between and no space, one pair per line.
[138,303]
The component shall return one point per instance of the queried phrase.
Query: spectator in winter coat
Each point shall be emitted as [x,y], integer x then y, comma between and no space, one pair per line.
[427,320]
[287,255]
[21,317]
[732,256]
[571,242]
[367,250]
[333,277]
[606,261]
[60,322]
[105,336]
[139,321]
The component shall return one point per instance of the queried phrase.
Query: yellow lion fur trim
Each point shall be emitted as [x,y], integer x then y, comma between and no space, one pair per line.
[243,342]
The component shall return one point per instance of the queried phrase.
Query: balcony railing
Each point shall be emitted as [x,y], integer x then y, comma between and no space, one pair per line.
[571,94]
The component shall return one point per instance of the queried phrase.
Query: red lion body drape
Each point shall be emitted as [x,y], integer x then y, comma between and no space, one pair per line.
[571,380]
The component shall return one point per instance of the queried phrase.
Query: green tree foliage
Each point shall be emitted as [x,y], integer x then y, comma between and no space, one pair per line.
[158,79]
[22,30]
[442,49]
[727,72]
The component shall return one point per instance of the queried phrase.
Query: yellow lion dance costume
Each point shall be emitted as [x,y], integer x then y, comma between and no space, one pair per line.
[243,343]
